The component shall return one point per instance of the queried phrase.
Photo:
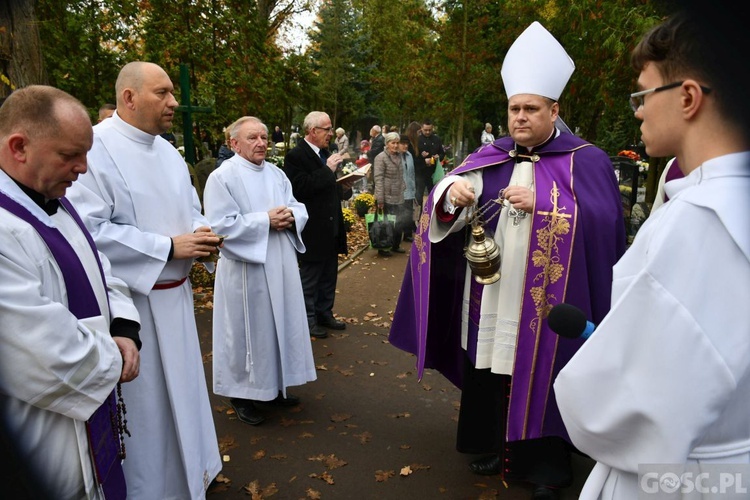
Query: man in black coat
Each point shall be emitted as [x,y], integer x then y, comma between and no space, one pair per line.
[312,172]
[429,155]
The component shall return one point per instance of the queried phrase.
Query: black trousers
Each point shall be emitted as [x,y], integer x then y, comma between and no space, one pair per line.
[482,422]
[423,183]
[319,287]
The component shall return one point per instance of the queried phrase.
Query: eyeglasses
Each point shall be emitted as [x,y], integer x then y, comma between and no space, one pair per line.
[637,99]
[327,129]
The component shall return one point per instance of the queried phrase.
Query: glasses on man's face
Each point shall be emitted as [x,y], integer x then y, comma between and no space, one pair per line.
[327,129]
[638,98]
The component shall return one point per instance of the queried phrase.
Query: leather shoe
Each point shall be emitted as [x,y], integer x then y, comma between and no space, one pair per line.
[398,250]
[317,332]
[408,238]
[486,466]
[289,400]
[246,411]
[384,253]
[332,323]
[545,493]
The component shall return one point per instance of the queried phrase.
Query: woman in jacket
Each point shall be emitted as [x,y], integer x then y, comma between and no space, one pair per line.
[389,188]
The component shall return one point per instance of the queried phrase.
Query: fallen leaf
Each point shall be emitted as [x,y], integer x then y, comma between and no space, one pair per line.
[259,454]
[415,467]
[383,475]
[405,414]
[305,435]
[364,438]
[340,417]
[227,443]
[325,477]
[405,471]
[278,456]
[313,494]
[221,478]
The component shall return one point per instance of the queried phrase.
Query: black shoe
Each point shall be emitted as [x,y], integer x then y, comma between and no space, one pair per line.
[332,323]
[487,466]
[398,250]
[408,238]
[246,411]
[545,493]
[318,332]
[289,400]
[384,253]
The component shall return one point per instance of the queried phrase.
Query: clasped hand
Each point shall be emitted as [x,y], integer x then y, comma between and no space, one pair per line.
[200,243]
[281,218]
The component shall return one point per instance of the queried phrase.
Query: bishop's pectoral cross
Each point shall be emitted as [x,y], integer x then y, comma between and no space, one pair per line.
[517,215]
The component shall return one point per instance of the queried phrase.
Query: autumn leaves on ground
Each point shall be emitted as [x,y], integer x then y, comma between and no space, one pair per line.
[366,428]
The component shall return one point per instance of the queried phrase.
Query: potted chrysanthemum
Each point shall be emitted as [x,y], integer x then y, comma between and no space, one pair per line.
[363,203]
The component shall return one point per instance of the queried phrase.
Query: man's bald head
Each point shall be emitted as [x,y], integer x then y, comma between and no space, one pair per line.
[145,97]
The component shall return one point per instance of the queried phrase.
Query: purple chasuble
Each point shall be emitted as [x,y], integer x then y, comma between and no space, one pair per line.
[566,263]
[102,426]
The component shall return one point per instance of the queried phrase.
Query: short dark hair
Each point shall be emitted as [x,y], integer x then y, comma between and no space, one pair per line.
[689,45]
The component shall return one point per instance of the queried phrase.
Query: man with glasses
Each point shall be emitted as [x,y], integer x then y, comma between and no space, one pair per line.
[664,378]
[312,172]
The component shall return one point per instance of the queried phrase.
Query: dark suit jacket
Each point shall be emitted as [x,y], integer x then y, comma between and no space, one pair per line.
[315,185]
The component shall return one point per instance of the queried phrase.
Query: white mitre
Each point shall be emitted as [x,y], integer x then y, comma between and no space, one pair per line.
[536,63]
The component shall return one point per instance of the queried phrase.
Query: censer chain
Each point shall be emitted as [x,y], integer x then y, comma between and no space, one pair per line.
[475,217]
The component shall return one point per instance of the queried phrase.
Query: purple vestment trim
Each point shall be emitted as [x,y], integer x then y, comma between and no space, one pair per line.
[82,302]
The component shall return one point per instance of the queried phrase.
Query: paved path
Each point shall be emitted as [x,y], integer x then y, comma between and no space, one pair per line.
[366,429]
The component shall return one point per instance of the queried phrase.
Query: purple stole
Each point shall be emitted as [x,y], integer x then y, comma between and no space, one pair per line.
[102,426]
[549,258]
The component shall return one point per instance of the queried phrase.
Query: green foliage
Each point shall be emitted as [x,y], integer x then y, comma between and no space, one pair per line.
[85,43]
[336,47]
[369,61]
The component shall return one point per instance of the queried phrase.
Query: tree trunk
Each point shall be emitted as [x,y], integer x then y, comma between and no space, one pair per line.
[20,48]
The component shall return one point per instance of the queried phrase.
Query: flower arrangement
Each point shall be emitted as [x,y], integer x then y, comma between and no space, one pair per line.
[349,219]
[642,165]
[347,169]
[363,203]
[276,160]
[629,154]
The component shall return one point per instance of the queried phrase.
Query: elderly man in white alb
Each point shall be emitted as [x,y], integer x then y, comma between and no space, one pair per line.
[261,339]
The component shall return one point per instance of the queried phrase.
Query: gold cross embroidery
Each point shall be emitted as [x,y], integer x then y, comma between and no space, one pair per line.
[555,213]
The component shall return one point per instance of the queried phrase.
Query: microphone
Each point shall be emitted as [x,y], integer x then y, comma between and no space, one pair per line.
[570,322]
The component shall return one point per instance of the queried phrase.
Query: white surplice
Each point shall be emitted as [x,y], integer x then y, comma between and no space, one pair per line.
[665,377]
[55,370]
[261,339]
[135,196]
